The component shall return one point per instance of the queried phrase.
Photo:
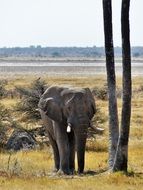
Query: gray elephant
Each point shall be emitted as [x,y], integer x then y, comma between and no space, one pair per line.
[67,114]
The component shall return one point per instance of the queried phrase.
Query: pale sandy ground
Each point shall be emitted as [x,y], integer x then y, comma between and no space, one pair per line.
[11,69]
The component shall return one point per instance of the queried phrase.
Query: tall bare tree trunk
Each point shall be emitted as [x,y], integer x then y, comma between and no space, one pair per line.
[111,79]
[121,160]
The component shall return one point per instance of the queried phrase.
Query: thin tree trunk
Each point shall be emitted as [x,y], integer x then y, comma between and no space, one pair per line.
[111,79]
[121,160]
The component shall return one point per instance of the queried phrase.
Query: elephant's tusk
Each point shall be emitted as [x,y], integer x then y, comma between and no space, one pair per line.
[69,128]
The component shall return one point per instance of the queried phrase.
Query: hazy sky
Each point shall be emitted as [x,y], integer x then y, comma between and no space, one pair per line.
[63,22]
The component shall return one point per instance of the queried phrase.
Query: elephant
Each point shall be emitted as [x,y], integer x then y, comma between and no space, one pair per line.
[67,113]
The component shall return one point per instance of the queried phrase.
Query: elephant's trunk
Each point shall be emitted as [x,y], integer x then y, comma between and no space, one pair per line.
[81,135]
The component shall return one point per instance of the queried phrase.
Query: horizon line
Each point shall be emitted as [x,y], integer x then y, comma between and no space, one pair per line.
[40,46]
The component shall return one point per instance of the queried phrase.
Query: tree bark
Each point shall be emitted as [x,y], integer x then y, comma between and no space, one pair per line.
[121,159]
[111,79]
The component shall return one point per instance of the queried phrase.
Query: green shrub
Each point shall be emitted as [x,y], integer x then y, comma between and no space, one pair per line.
[7,126]
[3,91]
[28,105]
[4,114]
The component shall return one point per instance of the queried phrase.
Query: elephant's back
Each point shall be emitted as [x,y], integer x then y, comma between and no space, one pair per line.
[52,91]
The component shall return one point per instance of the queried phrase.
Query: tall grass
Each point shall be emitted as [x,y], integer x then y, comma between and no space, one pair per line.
[32,169]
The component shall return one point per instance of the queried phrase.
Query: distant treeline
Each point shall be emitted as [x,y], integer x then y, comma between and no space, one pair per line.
[38,51]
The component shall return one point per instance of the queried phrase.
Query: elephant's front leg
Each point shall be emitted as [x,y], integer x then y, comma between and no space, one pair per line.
[56,152]
[63,146]
[71,138]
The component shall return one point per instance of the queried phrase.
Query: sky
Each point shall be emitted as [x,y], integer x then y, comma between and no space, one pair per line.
[63,23]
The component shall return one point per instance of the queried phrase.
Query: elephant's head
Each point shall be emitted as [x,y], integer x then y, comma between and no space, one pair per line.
[74,109]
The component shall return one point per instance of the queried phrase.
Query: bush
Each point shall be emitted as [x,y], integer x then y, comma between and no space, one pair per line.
[3,83]
[101,93]
[6,123]
[4,114]
[30,97]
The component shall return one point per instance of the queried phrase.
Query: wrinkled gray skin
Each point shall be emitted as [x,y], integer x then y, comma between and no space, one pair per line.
[60,107]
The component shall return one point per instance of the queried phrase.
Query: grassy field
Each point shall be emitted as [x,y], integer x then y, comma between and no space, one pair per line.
[32,169]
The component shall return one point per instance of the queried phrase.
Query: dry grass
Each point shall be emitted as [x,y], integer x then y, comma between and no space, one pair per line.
[33,171]
[9,103]
[26,170]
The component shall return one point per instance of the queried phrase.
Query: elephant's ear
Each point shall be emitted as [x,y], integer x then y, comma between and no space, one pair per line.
[51,109]
[91,102]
